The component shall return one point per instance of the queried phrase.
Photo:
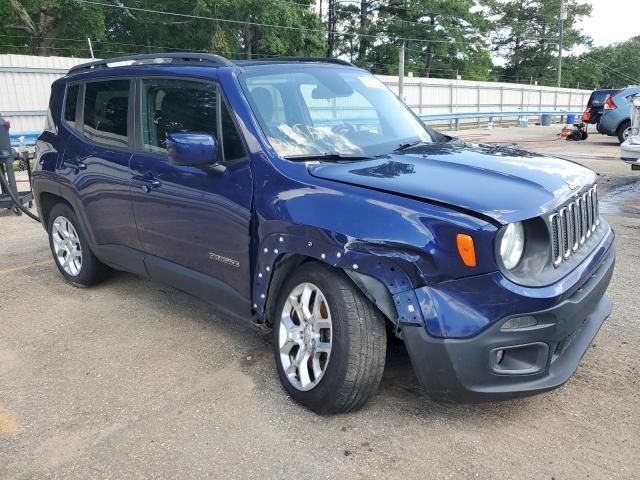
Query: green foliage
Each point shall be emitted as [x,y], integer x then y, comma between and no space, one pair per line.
[616,65]
[48,27]
[442,38]
[116,31]
[526,34]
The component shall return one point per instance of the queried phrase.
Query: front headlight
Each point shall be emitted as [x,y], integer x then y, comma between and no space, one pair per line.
[512,245]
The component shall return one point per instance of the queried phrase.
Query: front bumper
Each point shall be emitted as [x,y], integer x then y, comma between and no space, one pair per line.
[534,359]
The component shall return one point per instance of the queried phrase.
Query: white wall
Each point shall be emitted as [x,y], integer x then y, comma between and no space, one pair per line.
[25,83]
[434,95]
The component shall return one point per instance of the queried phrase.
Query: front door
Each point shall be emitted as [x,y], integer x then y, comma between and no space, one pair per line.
[194,217]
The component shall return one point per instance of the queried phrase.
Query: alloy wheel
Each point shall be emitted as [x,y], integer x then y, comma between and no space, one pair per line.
[66,246]
[305,336]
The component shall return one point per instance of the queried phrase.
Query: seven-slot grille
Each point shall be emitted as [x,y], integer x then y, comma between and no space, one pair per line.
[573,224]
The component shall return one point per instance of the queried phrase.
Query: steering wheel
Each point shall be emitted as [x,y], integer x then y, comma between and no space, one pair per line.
[303,130]
[343,128]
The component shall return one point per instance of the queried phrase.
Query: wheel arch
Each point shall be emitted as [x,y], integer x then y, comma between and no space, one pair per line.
[48,192]
[376,291]
[377,273]
[46,202]
[621,123]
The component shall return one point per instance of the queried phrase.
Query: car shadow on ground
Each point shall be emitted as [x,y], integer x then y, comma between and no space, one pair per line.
[399,389]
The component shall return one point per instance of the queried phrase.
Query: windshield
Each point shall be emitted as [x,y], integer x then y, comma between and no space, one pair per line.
[323,110]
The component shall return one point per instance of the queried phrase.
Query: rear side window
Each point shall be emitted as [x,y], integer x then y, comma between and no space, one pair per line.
[176,106]
[106,110]
[599,97]
[70,104]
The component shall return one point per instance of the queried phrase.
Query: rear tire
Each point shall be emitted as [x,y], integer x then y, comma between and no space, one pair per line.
[624,130]
[331,360]
[70,249]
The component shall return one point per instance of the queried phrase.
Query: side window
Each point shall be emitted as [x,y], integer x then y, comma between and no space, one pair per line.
[106,108]
[170,105]
[70,104]
[233,145]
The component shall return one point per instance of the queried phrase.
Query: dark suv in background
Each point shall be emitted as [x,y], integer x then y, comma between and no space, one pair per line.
[595,105]
[303,195]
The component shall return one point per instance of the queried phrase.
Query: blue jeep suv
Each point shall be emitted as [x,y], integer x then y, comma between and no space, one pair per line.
[302,195]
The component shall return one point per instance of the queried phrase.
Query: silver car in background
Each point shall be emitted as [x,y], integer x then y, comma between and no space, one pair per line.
[630,149]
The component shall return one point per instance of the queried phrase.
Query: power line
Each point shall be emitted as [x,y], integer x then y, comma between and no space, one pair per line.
[256,24]
[611,69]
[286,27]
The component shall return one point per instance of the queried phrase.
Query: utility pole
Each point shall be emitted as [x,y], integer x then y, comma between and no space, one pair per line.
[563,17]
[401,73]
[332,22]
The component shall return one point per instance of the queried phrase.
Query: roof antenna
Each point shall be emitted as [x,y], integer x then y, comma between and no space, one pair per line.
[90,48]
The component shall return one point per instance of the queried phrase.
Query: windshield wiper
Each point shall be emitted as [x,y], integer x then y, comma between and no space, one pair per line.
[327,157]
[406,146]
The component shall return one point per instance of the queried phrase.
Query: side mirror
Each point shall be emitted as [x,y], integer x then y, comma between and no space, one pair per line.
[192,148]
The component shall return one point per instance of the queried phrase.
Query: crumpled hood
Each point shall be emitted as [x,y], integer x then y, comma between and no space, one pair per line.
[499,182]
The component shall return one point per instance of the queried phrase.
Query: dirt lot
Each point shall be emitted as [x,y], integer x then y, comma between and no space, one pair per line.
[132,379]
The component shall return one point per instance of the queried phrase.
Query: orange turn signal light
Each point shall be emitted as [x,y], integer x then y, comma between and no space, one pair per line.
[466,249]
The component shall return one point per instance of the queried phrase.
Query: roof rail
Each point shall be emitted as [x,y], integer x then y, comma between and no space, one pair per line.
[301,59]
[156,58]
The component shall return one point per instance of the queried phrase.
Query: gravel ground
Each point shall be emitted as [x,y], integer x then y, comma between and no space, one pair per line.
[132,379]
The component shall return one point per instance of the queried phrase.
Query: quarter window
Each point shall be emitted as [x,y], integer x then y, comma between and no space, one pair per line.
[106,110]
[233,144]
[70,104]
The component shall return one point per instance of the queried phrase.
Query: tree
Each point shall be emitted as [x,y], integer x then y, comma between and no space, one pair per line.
[526,33]
[45,27]
[42,27]
[442,37]
[332,25]
[613,66]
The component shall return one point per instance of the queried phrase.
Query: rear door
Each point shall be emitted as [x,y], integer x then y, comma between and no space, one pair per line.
[96,158]
[193,217]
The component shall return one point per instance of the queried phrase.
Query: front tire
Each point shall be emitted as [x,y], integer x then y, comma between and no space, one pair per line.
[329,340]
[70,249]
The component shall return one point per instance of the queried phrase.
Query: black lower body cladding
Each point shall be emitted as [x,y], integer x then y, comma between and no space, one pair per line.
[500,363]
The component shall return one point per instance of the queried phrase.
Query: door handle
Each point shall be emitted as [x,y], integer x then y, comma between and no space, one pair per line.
[76,164]
[146,183]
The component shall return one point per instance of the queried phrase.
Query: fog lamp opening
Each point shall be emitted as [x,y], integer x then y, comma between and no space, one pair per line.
[526,321]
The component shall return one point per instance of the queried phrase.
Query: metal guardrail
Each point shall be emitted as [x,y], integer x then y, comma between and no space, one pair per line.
[30,137]
[457,116]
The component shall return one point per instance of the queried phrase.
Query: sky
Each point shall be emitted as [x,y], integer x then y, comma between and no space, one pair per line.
[612,21]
